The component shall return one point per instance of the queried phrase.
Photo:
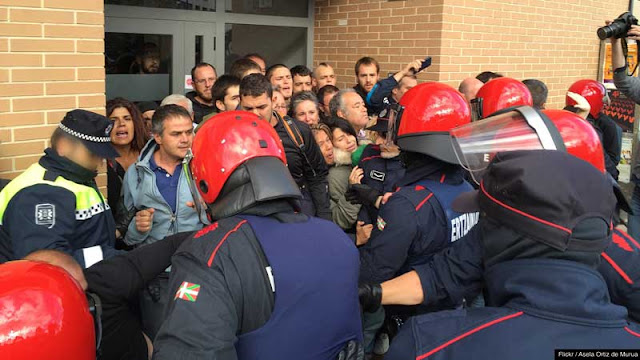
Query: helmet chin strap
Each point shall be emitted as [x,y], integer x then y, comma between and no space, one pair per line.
[198,202]
[95,308]
[549,136]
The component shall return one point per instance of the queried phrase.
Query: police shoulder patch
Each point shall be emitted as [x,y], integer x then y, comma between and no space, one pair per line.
[381,223]
[377,175]
[45,215]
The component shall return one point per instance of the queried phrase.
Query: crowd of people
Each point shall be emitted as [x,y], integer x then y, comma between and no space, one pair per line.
[269,214]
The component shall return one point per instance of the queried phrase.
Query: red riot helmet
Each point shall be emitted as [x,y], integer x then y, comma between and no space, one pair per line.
[422,120]
[229,140]
[44,314]
[579,137]
[594,92]
[500,94]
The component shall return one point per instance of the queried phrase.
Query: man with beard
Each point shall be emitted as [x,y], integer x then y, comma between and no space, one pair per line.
[204,76]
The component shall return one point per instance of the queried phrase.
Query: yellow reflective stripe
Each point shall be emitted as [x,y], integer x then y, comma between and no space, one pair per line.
[88,200]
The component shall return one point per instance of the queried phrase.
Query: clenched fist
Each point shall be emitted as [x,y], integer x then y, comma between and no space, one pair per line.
[144,220]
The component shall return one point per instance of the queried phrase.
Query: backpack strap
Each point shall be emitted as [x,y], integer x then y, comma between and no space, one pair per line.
[290,126]
[296,137]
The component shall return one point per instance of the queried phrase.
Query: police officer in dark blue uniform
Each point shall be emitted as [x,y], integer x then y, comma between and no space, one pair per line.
[457,272]
[55,203]
[542,241]
[418,221]
[381,171]
[263,281]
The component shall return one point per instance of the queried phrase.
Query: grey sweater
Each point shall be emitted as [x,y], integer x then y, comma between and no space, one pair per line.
[630,87]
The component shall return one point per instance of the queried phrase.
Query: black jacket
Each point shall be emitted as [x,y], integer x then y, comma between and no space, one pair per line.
[611,142]
[117,282]
[541,305]
[232,282]
[457,272]
[307,165]
[115,196]
[200,110]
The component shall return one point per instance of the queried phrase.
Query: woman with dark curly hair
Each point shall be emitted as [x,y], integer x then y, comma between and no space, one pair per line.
[128,136]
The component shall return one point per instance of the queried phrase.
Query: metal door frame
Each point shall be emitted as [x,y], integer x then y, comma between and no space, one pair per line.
[136,17]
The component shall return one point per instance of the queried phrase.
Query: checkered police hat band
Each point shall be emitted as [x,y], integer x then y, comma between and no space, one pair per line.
[96,139]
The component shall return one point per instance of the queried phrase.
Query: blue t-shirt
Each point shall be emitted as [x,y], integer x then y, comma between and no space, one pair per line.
[167,184]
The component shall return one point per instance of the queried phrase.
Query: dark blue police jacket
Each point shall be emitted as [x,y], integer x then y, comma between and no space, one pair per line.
[316,309]
[545,305]
[457,272]
[416,222]
[382,174]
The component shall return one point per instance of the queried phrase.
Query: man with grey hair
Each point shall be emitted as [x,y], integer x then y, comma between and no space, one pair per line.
[155,188]
[349,105]
[180,100]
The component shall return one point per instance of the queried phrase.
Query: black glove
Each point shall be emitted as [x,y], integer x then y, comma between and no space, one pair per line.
[362,194]
[352,351]
[370,297]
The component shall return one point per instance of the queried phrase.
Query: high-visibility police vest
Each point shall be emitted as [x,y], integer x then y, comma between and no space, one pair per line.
[91,235]
[88,201]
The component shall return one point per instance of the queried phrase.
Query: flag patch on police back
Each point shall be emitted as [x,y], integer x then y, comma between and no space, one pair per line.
[188,291]
[381,223]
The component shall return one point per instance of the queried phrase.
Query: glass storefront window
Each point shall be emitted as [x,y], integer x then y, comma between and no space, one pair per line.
[297,8]
[138,66]
[201,5]
[277,44]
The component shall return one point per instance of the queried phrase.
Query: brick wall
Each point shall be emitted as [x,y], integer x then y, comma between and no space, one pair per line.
[394,33]
[553,41]
[51,61]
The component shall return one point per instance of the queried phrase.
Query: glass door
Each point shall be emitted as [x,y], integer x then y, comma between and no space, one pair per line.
[142,58]
[199,46]
[177,34]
